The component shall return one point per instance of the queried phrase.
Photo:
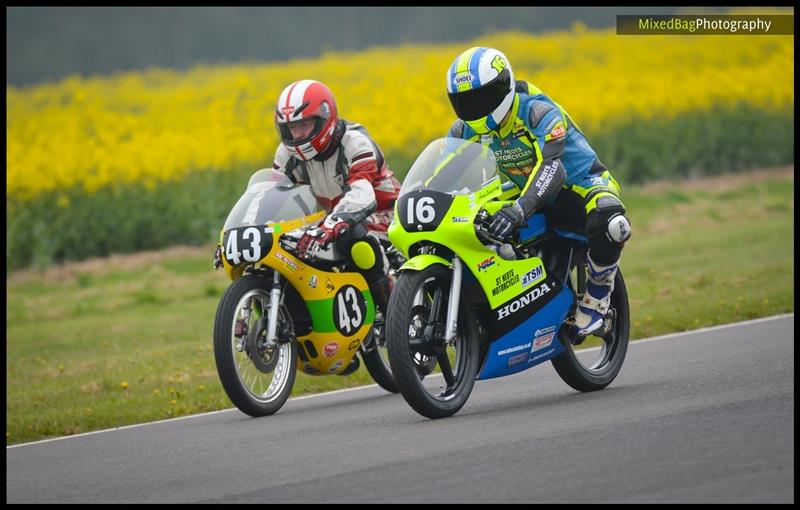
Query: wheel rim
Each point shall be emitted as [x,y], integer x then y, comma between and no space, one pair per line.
[608,344]
[428,368]
[262,387]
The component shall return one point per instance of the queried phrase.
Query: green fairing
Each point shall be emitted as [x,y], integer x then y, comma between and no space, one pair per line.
[321,311]
[420,262]
[500,279]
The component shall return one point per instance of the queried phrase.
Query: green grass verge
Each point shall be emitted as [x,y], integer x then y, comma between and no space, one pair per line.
[127,339]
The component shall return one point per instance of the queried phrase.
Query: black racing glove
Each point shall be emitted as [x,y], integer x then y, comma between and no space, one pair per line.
[506,221]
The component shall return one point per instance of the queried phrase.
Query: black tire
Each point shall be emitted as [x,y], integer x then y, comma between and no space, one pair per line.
[410,375]
[612,354]
[226,354]
[379,368]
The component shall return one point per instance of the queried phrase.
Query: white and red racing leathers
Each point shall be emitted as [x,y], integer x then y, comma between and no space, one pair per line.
[349,178]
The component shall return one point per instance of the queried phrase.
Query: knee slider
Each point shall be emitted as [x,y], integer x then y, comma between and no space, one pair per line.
[608,220]
[618,228]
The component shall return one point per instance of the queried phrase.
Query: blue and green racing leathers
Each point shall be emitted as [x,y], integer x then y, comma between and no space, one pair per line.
[555,170]
[545,154]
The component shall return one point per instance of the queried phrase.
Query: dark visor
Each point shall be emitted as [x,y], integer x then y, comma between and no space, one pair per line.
[476,103]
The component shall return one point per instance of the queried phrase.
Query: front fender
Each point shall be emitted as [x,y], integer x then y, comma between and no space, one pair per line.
[420,262]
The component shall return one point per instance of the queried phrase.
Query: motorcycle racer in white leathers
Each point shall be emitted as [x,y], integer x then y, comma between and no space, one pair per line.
[348,174]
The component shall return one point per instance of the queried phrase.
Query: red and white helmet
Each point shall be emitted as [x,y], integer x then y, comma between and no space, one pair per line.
[306,99]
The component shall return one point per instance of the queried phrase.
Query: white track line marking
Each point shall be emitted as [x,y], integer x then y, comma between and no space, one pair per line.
[357,388]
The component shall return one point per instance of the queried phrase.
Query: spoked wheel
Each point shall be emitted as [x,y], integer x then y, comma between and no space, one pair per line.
[590,370]
[415,333]
[257,377]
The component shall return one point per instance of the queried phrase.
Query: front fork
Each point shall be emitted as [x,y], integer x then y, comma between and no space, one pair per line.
[274,304]
[453,299]
[452,302]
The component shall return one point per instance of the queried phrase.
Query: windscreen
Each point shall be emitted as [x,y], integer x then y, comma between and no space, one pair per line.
[271,196]
[453,166]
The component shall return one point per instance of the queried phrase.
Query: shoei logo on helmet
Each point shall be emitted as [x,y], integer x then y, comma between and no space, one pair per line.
[287,110]
[498,64]
[463,78]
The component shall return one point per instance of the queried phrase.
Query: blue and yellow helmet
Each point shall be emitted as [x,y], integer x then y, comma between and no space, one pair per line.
[480,85]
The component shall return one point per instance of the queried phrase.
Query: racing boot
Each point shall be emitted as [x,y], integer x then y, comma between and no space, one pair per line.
[596,300]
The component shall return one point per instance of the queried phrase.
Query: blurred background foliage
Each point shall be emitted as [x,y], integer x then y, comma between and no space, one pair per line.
[50,43]
[100,164]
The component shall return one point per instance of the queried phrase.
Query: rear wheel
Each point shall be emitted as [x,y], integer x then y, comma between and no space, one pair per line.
[376,358]
[415,334]
[590,370]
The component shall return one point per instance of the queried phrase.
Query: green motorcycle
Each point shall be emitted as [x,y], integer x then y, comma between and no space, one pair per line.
[468,306]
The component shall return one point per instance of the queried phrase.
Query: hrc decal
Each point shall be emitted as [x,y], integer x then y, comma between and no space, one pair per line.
[486,263]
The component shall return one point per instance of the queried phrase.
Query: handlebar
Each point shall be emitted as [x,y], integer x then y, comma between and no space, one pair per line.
[291,238]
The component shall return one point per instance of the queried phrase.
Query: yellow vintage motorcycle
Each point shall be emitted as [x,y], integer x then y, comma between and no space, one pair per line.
[281,314]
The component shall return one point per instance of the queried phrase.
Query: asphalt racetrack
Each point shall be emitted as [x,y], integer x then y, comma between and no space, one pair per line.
[704,416]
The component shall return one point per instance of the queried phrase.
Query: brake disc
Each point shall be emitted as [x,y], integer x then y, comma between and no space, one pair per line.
[423,363]
[264,358]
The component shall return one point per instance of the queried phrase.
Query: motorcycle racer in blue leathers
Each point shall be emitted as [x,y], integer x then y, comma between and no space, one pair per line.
[542,151]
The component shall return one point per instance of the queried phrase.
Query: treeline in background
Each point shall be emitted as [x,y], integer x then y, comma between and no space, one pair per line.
[50,43]
[146,159]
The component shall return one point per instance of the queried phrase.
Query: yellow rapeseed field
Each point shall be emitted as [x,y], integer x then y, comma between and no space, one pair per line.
[158,125]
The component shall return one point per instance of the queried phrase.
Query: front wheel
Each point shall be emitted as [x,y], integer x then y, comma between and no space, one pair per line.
[256,377]
[590,373]
[415,332]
